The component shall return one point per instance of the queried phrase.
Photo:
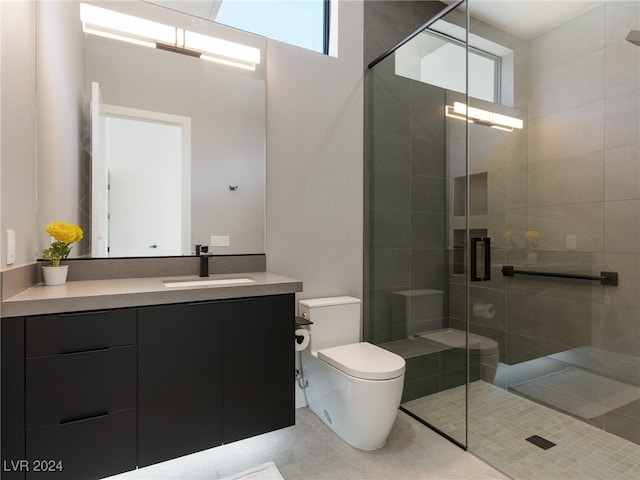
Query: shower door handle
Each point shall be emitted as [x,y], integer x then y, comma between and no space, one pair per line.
[474,259]
[487,258]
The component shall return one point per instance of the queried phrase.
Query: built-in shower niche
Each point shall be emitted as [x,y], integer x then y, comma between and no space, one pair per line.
[478,197]
[460,242]
[478,205]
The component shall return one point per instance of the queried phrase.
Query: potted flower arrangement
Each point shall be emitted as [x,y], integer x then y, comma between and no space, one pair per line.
[64,234]
[532,238]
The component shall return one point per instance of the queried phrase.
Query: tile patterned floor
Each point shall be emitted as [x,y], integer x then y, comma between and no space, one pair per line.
[310,451]
[499,423]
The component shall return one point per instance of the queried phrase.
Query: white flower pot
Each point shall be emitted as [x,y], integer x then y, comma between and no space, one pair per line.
[55,275]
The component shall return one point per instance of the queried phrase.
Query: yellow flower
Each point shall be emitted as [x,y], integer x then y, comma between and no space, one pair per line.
[64,232]
[532,235]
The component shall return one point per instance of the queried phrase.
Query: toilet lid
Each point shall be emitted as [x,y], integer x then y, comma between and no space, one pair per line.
[364,360]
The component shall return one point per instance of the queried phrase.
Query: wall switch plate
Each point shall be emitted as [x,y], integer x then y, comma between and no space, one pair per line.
[220,240]
[11,247]
[571,242]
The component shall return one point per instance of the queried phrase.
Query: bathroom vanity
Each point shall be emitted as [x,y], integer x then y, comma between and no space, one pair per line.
[92,391]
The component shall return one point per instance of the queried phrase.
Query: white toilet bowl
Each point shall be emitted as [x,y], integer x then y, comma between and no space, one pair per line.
[354,387]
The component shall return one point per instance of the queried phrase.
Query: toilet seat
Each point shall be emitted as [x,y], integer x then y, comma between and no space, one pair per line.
[364,360]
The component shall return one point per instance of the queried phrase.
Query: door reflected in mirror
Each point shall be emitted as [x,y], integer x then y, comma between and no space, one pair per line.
[141,182]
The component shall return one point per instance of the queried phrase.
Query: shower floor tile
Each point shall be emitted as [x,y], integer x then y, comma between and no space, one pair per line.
[500,422]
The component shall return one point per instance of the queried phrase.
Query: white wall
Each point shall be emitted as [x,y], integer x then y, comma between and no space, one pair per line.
[314,161]
[17,128]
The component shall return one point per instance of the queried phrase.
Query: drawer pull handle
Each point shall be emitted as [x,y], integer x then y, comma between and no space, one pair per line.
[79,314]
[206,302]
[82,352]
[68,421]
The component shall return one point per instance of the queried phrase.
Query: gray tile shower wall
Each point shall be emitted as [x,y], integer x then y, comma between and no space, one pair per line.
[407,195]
[387,23]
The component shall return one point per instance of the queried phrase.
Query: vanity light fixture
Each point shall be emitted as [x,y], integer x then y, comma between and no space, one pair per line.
[483,117]
[127,28]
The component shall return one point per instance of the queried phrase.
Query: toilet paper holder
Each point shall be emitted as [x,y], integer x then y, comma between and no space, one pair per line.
[301,322]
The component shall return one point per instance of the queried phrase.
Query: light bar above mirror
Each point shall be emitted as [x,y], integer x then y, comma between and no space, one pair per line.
[127,28]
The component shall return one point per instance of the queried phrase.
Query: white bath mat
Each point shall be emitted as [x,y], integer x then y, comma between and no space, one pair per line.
[579,392]
[265,471]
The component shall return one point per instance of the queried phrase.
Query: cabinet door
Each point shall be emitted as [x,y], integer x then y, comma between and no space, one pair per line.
[12,389]
[259,366]
[179,380]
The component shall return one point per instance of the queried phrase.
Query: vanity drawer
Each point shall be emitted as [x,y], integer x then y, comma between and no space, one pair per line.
[86,449]
[76,332]
[65,387]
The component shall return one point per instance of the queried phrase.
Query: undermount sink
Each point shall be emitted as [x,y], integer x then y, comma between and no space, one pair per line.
[218,282]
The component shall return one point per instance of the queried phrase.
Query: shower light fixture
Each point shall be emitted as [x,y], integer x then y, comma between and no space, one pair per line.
[139,31]
[483,117]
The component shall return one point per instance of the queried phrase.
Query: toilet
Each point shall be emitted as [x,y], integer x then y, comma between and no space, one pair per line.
[354,387]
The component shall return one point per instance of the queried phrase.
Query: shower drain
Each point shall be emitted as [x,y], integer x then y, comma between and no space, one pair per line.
[541,442]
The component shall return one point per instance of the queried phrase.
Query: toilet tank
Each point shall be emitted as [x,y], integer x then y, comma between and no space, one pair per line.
[336,321]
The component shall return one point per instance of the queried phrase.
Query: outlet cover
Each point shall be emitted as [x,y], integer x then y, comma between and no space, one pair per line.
[572,242]
[11,247]
[220,240]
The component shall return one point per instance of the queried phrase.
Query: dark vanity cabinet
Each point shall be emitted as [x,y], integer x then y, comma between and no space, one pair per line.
[91,394]
[12,388]
[213,373]
[180,380]
[259,366]
[81,394]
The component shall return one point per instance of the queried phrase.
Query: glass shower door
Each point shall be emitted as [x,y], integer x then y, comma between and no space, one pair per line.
[496,155]
[559,172]
[418,235]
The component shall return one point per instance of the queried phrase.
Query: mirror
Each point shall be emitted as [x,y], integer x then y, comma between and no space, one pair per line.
[223,106]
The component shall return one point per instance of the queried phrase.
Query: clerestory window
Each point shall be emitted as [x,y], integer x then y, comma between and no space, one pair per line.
[438,57]
[304,23]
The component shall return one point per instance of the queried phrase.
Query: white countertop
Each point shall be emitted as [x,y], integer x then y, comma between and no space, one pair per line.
[133,292]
